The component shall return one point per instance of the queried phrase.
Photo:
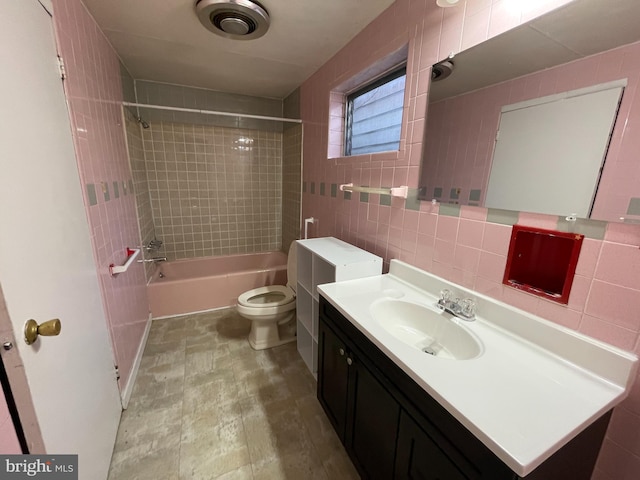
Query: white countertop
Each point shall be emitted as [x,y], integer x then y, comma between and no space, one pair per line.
[523,400]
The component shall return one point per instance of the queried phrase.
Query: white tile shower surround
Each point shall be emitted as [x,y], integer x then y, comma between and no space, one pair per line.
[207,406]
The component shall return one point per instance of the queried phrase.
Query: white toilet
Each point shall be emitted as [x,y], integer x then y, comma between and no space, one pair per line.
[272,309]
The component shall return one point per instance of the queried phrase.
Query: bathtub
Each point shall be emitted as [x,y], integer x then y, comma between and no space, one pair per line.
[198,284]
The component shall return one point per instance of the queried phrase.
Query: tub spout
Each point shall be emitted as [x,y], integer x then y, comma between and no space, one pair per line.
[154,260]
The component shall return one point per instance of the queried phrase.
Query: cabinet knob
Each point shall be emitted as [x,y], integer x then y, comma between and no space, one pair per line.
[341,351]
[349,361]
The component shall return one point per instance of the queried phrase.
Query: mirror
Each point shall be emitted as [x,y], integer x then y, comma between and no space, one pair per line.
[584,44]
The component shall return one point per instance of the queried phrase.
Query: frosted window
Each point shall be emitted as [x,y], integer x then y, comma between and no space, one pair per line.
[374,116]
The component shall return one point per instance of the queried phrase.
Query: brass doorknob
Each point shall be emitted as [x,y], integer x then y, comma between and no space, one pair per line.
[49,328]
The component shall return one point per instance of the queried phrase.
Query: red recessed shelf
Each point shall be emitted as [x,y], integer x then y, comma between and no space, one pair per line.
[542,262]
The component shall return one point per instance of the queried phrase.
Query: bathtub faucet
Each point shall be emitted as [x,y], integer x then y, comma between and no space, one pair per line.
[154,260]
[153,246]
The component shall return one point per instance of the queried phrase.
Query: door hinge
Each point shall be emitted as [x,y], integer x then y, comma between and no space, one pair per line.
[63,71]
[117,372]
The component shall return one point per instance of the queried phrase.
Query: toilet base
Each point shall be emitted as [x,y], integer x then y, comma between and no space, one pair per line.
[271,334]
[271,344]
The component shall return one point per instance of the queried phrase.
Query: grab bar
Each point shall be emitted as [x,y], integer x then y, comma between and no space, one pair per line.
[402,191]
[132,253]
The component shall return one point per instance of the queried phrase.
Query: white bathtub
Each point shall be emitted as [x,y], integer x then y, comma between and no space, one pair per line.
[198,284]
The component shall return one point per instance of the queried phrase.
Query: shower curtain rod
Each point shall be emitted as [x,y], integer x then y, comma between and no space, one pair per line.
[211,112]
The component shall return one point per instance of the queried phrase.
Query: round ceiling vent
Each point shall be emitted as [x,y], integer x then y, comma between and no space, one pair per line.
[235,19]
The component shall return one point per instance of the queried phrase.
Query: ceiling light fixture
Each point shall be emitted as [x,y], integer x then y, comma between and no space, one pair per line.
[447,3]
[235,19]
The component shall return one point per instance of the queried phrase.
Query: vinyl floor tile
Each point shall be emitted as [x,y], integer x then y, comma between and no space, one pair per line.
[207,406]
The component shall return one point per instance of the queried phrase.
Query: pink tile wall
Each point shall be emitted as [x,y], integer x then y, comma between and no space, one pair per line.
[9,444]
[466,249]
[461,130]
[94,93]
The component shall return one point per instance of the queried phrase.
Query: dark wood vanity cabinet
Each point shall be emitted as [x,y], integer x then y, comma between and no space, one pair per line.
[334,386]
[392,429]
[352,396]
[419,456]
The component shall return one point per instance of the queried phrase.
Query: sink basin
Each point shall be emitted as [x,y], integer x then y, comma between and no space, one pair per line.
[427,329]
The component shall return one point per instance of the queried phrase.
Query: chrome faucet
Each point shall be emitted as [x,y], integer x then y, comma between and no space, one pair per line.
[464,309]
[153,246]
[154,260]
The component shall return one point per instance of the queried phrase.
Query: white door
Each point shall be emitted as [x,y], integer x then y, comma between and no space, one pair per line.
[47,268]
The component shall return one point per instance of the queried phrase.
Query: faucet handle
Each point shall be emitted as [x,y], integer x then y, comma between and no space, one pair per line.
[468,308]
[153,245]
[445,295]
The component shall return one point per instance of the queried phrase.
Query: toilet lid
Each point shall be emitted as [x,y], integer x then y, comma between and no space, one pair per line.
[259,297]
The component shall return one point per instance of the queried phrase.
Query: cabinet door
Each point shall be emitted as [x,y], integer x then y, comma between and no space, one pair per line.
[333,377]
[372,424]
[419,457]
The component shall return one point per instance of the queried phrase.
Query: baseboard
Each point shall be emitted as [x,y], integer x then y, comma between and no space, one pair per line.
[128,389]
[164,317]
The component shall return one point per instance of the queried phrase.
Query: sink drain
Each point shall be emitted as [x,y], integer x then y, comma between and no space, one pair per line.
[429,350]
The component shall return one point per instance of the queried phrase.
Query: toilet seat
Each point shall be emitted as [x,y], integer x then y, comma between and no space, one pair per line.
[286,295]
[272,309]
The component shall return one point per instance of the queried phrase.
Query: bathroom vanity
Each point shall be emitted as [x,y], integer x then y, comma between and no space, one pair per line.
[506,396]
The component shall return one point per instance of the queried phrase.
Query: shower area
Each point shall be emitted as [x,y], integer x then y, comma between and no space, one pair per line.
[220,191]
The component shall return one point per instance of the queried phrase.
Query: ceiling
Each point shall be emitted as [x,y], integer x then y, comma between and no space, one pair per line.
[164,41]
